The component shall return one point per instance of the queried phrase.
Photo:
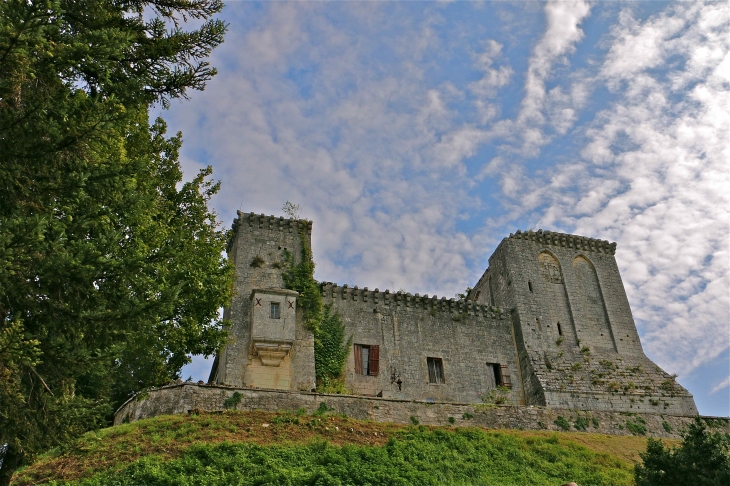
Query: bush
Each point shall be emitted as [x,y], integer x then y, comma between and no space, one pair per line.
[703,458]
[233,401]
[637,427]
[581,423]
[562,423]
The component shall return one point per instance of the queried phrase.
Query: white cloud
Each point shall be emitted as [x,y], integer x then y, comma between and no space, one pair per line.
[723,384]
[654,177]
[559,40]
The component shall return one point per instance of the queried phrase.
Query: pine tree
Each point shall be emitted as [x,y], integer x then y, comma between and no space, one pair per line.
[110,267]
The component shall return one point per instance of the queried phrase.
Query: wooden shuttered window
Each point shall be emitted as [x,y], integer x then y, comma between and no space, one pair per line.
[358,359]
[506,380]
[374,367]
[367,359]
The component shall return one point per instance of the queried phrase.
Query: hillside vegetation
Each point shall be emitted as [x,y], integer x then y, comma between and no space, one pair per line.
[296,449]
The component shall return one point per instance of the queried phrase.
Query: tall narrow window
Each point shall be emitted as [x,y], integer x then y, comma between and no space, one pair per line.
[560,330]
[274,313]
[367,360]
[529,286]
[435,370]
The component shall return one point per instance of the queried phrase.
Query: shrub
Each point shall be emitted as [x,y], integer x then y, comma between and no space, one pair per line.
[495,396]
[452,420]
[562,423]
[321,410]
[637,427]
[667,427]
[581,423]
[233,401]
[414,420]
[703,457]
[467,416]
[257,262]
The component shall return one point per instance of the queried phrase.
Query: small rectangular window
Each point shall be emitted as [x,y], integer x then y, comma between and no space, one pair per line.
[500,373]
[367,359]
[435,370]
[274,310]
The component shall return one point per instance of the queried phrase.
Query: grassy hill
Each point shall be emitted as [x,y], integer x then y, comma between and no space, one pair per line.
[259,448]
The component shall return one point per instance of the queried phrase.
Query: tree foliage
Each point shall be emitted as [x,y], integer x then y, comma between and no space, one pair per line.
[703,458]
[110,266]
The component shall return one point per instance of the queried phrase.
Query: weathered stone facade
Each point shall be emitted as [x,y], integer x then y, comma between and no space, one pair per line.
[258,253]
[549,319]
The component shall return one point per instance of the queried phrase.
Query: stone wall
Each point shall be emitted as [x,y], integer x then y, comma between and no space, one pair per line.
[182,398]
[411,328]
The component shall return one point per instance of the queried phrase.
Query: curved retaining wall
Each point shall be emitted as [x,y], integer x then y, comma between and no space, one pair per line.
[184,397]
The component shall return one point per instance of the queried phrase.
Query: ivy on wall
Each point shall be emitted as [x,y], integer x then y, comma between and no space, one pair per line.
[330,348]
[330,352]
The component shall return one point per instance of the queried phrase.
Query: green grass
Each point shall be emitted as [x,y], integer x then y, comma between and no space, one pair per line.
[255,448]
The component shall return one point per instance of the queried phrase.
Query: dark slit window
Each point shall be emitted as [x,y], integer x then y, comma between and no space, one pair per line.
[529,285]
[560,329]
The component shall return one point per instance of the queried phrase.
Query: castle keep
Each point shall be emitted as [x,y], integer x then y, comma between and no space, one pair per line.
[549,320]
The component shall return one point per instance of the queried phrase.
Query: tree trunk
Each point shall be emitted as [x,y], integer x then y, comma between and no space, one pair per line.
[12,460]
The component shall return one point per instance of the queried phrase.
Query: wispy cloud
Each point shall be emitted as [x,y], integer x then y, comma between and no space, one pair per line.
[653,176]
[722,385]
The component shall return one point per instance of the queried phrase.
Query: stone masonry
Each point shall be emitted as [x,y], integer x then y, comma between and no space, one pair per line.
[549,320]
[189,397]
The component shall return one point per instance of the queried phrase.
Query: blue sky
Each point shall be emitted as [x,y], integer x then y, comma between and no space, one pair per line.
[416,135]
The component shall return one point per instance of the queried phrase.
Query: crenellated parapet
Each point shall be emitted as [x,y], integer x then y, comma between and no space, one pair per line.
[407,300]
[273,223]
[566,241]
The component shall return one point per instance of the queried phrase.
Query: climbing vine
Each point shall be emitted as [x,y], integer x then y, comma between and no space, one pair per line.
[330,352]
[330,348]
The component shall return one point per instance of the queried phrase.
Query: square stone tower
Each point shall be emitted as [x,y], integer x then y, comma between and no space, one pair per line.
[268,347]
[577,341]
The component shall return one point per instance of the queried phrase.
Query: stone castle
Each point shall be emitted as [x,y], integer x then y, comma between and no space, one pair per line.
[549,321]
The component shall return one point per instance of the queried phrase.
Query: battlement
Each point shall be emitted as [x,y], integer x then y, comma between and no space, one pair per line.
[405,299]
[566,241]
[262,221]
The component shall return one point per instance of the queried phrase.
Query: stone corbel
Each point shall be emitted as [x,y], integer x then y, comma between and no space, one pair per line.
[272,353]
